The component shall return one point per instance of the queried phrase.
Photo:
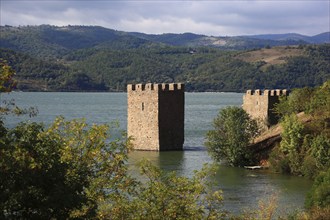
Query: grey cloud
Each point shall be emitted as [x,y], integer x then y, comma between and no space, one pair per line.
[205,17]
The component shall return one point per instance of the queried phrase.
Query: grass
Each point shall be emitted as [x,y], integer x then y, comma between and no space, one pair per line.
[271,56]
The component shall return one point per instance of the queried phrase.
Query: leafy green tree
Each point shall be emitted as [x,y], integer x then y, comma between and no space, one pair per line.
[60,172]
[7,83]
[6,77]
[292,134]
[320,150]
[233,131]
[297,101]
[319,104]
[292,140]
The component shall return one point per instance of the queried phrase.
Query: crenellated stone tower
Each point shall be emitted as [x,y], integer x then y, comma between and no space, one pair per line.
[155,116]
[260,104]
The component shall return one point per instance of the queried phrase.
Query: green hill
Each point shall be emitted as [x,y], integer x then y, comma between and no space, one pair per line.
[89,58]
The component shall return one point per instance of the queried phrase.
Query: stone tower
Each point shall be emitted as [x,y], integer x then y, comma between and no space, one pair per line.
[259,104]
[155,116]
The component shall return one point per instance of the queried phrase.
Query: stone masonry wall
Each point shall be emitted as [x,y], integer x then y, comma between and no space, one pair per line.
[171,117]
[259,105]
[155,116]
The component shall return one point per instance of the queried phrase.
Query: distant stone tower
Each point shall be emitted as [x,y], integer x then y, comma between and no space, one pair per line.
[155,116]
[259,104]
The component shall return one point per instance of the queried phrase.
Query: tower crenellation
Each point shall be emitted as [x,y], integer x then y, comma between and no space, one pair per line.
[259,104]
[156,87]
[266,92]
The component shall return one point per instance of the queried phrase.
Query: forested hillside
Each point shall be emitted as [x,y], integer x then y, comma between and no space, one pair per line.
[79,58]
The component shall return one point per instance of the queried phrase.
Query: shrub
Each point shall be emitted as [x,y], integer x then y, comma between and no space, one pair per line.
[292,140]
[319,196]
[320,150]
[233,131]
[279,162]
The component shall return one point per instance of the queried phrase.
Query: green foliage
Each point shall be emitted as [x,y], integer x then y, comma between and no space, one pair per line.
[279,161]
[313,101]
[233,131]
[308,167]
[72,171]
[7,83]
[320,150]
[291,144]
[78,58]
[319,196]
[292,135]
[164,195]
[300,153]
[60,172]
[304,153]
[305,147]
[319,104]
[35,74]
[6,77]
[297,101]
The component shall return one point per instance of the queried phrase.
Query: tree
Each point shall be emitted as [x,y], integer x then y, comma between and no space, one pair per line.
[296,102]
[7,83]
[61,172]
[319,105]
[6,77]
[320,150]
[292,141]
[233,131]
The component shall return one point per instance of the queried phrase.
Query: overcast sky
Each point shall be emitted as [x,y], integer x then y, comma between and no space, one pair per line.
[215,17]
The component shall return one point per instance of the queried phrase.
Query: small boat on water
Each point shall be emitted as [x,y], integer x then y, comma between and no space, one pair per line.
[253,167]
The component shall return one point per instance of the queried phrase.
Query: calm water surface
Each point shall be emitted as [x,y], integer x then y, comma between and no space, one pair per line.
[242,188]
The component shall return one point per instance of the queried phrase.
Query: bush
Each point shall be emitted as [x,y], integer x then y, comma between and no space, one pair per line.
[309,167]
[233,131]
[279,162]
[319,196]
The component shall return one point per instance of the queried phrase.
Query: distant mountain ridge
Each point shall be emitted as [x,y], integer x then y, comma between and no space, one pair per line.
[58,40]
[235,42]
[316,39]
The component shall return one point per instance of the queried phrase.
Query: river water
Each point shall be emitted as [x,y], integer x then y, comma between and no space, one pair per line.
[242,189]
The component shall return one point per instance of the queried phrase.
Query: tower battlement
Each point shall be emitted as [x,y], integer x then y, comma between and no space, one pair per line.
[273,92]
[155,87]
[155,116]
[259,104]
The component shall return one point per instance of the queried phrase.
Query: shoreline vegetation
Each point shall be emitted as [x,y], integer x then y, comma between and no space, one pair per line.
[298,145]
[69,171]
